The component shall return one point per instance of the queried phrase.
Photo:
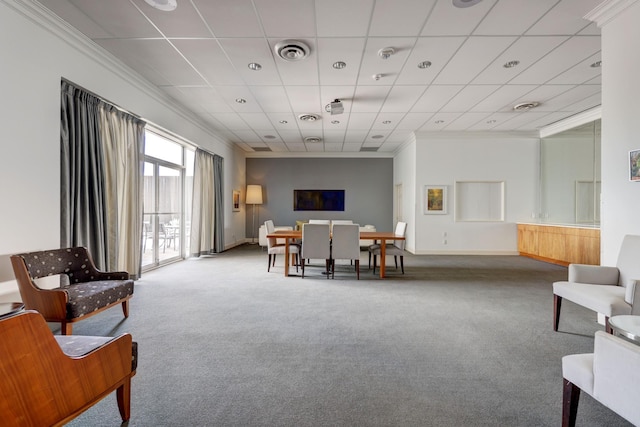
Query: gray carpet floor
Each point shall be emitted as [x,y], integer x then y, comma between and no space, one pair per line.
[455,341]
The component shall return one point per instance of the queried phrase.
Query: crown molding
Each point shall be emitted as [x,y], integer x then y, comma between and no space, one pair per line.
[477,135]
[608,10]
[44,18]
[572,122]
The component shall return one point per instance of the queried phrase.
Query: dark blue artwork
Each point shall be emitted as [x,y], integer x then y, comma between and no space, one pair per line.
[318,200]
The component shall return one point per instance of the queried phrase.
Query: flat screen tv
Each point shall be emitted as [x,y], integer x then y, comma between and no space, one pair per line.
[318,200]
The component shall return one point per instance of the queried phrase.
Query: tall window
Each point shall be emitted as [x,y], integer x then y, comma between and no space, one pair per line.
[168,181]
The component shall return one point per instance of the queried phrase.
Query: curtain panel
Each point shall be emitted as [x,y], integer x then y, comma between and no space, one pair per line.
[205,222]
[101,160]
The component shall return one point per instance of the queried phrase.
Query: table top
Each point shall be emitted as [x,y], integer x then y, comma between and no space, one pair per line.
[369,235]
[626,325]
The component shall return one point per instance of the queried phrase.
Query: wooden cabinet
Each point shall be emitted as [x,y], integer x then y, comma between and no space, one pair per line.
[561,245]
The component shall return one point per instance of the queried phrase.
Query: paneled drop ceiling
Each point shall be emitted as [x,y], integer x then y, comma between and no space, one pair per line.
[200,55]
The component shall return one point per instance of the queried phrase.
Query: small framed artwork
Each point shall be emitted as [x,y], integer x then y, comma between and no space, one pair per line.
[236,200]
[634,165]
[435,199]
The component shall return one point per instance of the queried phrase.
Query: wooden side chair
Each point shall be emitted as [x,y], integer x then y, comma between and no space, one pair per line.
[83,291]
[48,380]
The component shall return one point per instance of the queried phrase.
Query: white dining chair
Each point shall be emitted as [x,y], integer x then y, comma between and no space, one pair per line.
[396,248]
[274,248]
[316,244]
[345,244]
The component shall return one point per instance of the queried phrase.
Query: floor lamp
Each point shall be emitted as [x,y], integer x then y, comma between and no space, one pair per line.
[254,197]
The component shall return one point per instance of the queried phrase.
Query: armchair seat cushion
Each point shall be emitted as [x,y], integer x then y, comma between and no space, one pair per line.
[80,345]
[87,297]
[605,299]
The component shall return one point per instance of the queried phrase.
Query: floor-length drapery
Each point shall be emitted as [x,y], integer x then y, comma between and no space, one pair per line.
[218,182]
[203,207]
[82,198]
[123,147]
[101,152]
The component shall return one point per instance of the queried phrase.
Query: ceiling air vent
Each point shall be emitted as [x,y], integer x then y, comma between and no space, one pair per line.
[308,117]
[292,50]
[370,149]
[525,106]
[312,139]
[261,148]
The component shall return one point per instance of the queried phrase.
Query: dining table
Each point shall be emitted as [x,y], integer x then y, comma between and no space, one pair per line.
[381,236]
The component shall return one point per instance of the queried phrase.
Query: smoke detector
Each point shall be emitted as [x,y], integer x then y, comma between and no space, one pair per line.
[308,117]
[525,106]
[292,50]
[312,139]
[386,52]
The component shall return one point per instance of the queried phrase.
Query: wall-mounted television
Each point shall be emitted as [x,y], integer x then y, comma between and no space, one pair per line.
[318,200]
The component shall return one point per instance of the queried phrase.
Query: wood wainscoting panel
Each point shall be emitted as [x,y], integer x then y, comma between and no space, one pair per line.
[561,245]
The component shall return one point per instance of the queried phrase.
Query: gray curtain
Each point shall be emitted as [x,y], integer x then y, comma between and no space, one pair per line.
[203,205]
[218,182]
[101,160]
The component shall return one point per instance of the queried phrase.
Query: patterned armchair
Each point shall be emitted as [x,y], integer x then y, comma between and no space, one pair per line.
[83,290]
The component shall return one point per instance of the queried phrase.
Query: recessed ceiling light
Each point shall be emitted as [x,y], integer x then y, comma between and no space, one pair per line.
[424,64]
[490,122]
[511,64]
[596,64]
[335,122]
[312,139]
[377,137]
[283,122]
[255,66]
[386,122]
[269,137]
[308,117]
[386,52]
[339,65]
[163,5]
[525,106]
[241,100]
[439,122]
[465,3]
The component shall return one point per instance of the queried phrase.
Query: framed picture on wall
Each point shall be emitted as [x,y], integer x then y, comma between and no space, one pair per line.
[435,199]
[634,165]
[236,200]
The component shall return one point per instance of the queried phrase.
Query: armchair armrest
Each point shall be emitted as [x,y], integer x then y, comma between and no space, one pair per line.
[631,297]
[593,274]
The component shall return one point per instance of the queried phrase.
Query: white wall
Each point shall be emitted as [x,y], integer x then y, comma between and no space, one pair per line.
[620,113]
[404,173]
[445,159]
[35,54]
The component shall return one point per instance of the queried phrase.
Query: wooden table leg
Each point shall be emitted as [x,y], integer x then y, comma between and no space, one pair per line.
[286,257]
[383,251]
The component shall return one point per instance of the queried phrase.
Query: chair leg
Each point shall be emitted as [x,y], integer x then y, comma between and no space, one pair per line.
[570,399]
[123,395]
[125,308]
[274,260]
[557,302]
[607,326]
[333,268]
[395,259]
[358,269]
[269,263]
[374,264]
[369,260]
[65,328]
[327,266]
[402,263]
[303,268]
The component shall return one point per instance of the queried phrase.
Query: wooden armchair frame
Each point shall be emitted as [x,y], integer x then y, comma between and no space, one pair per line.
[43,386]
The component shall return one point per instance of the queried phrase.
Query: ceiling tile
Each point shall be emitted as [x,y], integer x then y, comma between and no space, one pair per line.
[565,18]
[242,51]
[226,18]
[435,97]
[505,96]
[339,18]
[184,21]
[447,20]
[438,51]
[468,97]
[287,18]
[302,72]
[207,57]
[119,18]
[332,50]
[399,17]
[513,17]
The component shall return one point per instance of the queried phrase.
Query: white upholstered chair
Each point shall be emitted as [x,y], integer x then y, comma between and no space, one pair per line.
[345,244]
[611,375]
[606,290]
[396,248]
[274,248]
[316,244]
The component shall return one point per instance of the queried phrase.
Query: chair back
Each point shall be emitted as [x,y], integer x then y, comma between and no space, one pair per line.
[316,243]
[319,221]
[401,230]
[345,242]
[270,228]
[340,221]
[629,260]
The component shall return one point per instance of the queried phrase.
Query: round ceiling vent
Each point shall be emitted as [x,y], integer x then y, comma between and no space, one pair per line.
[525,106]
[292,50]
[313,139]
[308,117]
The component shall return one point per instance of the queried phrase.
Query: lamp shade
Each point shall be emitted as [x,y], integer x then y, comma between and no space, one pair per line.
[254,194]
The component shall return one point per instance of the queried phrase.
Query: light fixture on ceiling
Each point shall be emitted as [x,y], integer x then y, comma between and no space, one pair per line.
[292,50]
[386,52]
[465,3]
[254,66]
[163,5]
[334,107]
[241,100]
[439,122]
[511,64]
[283,122]
[313,139]
[424,64]
[525,106]
[377,137]
[339,65]
[386,122]
[335,122]
[309,117]
[596,64]
[377,77]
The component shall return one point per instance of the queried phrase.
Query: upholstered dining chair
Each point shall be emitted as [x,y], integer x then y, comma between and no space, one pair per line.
[316,244]
[274,248]
[396,248]
[611,375]
[345,244]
